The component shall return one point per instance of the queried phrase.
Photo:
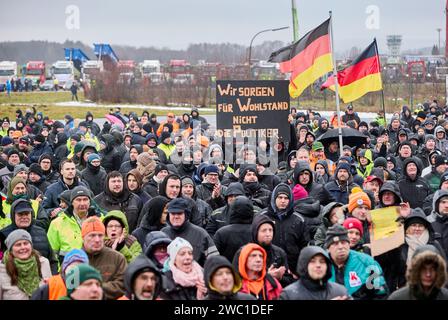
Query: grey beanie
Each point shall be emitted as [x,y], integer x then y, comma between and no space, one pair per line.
[17,235]
[336,233]
[18,168]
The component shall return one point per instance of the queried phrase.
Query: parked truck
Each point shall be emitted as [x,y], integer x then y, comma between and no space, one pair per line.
[91,69]
[63,71]
[8,71]
[35,71]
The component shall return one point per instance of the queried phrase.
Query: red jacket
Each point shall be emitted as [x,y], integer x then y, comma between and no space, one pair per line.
[271,290]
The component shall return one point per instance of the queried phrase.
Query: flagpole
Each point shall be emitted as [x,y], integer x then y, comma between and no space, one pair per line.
[336,86]
[382,90]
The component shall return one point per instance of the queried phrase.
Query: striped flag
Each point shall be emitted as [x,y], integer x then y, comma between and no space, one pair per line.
[363,75]
[307,59]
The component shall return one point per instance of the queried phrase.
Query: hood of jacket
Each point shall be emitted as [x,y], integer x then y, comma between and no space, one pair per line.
[323,163]
[153,239]
[258,220]
[439,194]
[212,264]
[282,188]
[305,257]
[139,265]
[366,153]
[439,129]
[123,196]
[87,145]
[138,177]
[154,211]
[300,167]
[116,215]
[419,260]
[320,124]
[162,186]
[308,207]
[327,210]
[414,160]
[13,215]
[212,147]
[241,211]
[392,187]
[417,216]
[109,140]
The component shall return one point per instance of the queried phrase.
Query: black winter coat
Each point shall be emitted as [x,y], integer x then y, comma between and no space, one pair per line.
[95,177]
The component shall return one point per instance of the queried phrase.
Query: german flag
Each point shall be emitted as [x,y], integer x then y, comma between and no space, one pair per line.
[307,60]
[363,75]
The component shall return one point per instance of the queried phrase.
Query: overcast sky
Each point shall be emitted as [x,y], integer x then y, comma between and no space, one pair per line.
[177,23]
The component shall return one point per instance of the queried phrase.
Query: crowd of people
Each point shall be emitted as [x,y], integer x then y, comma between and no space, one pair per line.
[149,210]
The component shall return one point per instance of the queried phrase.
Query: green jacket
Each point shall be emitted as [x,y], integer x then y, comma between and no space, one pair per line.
[64,233]
[131,248]
[365,171]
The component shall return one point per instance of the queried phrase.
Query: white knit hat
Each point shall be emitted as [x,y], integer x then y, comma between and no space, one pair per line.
[176,245]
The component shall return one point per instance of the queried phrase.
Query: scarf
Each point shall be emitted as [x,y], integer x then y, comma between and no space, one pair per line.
[28,273]
[414,242]
[161,257]
[187,279]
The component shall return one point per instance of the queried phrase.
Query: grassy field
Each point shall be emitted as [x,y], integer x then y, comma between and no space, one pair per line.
[45,102]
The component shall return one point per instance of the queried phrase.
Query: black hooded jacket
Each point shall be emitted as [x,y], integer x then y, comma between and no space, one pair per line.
[220,217]
[290,229]
[110,158]
[126,202]
[151,214]
[95,177]
[211,266]
[315,190]
[38,235]
[413,191]
[237,234]
[308,289]
[392,187]
[141,264]
[309,209]
[128,165]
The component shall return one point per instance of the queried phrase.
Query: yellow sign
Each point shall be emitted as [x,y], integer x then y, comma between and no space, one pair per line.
[386,233]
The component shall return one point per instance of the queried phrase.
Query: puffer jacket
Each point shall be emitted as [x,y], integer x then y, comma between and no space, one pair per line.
[130,248]
[357,272]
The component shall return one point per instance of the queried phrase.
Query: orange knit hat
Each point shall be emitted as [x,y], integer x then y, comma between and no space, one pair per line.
[358,198]
[92,224]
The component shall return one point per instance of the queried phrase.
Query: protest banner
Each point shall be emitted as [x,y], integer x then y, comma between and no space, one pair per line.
[253,109]
[386,233]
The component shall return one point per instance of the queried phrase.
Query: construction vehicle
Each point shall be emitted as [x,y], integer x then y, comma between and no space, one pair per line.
[126,69]
[263,70]
[105,53]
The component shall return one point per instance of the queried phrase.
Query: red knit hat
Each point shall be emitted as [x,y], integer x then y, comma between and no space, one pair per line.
[299,192]
[353,223]
[92,224]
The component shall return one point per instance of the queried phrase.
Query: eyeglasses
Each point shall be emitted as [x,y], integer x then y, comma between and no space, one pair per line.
[114,226]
